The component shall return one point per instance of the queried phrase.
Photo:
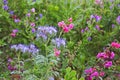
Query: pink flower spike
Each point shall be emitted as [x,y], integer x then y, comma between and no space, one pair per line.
[115,44]
[33,10]
[56,52]
[70,20]
[71,26]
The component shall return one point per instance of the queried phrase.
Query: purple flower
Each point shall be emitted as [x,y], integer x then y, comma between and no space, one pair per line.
[118,19]
[33,10]
[46,32]
[58,42]
[112,55]
[15,30]
[5,2]
[36,18]
[11,12]
[113,25]
[5,7]
[108,64]
[102,55]
[82,31]
[89,71]
[98,18]
[89,38]
[86,29]
[28,14]
[92,16]
[97,27]
[25,48]
[16,20]
[119,5]
[40,15]
[33,30]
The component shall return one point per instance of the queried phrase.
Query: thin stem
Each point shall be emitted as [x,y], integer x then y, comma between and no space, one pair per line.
[60,33]
[19,61]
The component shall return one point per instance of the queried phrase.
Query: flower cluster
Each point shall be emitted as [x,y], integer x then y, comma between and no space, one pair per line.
[98,2]
[107,57]
[14,32]
[10,66]
[115,45]
[25,48]
[66,27]
[5,7]
[92,72]
[45,32]
[58,42]
[96,17]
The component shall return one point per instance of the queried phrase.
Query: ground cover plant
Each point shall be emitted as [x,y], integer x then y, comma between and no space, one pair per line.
[59,40]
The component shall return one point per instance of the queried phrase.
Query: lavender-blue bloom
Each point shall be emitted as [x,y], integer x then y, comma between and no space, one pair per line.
[59,42]
[89,38]
[5,7]
[11,12]
[25,48]
[98,18]
[5,2]
[40,15]
[45,32]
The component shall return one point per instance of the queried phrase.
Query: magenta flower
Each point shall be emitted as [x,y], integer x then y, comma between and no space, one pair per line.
[108,64]
[71,26]
[13,34]
[102,55]
[95,74]
[33,10]
[112,55]
[89,71]
[115,44]
[98,2]
[56,52]
[66,29]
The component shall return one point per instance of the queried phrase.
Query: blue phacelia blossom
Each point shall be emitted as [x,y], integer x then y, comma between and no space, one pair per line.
[5,7]
[58,42]
[40,15]
[11,12]
[45,32]
[25,48]
[5,2]
[89,38]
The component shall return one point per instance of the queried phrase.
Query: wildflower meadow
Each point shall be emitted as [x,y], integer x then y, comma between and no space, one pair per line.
[60,40]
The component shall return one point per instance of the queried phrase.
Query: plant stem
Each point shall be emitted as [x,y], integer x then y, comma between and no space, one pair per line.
[60,33]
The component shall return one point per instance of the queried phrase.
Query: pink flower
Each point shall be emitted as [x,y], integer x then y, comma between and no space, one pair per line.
[61,24]
[32,24]
[108,64]
[56,52]
[33,10]
[98,2]
[71,26]
[70,20]
[13,34]
[116,45]
[95,74]
[112,55]
[102,55]
[102,74]
[89,71]
[66,29]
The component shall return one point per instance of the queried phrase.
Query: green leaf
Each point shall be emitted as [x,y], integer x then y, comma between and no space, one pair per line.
[82,78]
